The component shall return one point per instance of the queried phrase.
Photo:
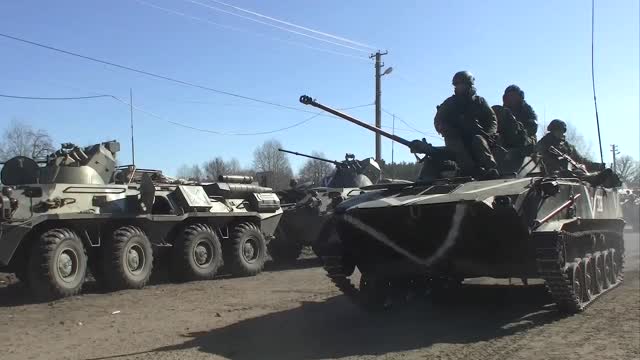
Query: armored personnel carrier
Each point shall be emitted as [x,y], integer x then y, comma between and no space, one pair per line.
[306,207]
[437,231]
[80,212]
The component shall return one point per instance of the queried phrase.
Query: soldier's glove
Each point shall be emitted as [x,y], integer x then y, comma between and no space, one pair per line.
[420,147]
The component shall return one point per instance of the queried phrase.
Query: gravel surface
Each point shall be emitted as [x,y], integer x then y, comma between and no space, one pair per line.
[298,314]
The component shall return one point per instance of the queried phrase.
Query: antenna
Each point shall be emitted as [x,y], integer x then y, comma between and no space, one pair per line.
[393,131]
[133,151]
[593,80]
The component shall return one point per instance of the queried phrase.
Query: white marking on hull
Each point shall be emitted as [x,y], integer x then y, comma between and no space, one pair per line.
[450,240]
[496,186]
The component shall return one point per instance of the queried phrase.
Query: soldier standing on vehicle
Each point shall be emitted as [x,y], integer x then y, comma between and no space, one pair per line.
[468,125]
[556,138]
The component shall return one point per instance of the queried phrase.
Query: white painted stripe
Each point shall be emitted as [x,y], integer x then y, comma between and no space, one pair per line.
[395,202]
[508,182]
[449,241]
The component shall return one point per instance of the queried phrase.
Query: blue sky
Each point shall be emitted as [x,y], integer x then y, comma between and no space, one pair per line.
[543,46]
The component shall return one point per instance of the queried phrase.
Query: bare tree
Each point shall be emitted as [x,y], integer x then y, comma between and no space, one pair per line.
[190,172]
[218,166]
[267,158]
[315,170]
[20,139]
[582,145]
[627,168]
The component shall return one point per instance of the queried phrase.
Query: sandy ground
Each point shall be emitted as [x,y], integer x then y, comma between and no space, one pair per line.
[298,314]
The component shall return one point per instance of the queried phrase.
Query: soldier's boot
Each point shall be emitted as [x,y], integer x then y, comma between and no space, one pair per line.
[482,154]
[465,162]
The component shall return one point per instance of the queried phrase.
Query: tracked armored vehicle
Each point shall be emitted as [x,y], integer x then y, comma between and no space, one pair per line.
[306,207]
[80,212]
[437,231]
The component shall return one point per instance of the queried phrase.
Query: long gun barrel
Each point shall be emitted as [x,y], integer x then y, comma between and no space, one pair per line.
[336,163]
[307,100]
[560,154]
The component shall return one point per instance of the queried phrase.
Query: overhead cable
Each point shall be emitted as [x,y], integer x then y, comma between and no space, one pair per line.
[295,26]
[233,28]
[275,26]
[162,77]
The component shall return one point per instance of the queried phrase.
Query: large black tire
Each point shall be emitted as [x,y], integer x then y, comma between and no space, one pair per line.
[196,254]
[127,259]
[57,264]
[245,252]
[284,250]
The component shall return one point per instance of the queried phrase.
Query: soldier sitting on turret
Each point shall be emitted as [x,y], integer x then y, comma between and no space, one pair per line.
[511,132]
[555,139]
[513,101]
[468,126]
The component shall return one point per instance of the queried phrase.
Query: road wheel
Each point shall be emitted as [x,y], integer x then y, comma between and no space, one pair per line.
[576,279]
[245,251]
[127,259]
[606,270]
[57,265]
[615,266]
[196,254]
[284,250]
[598,284]
[589,270]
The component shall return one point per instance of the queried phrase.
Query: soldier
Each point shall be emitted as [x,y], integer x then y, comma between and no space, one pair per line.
[511,132]
[468,125]
[513,99]
[555,138]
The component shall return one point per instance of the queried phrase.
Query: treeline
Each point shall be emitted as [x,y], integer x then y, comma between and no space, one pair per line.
[20,139]
[268,163]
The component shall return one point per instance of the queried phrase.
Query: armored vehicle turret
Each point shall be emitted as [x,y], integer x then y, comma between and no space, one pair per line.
[306,206]
[78,212]
[433,233]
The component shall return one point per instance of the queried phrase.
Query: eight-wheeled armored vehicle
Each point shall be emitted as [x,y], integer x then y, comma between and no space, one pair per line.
[437,231]
[306,207]
[80,212]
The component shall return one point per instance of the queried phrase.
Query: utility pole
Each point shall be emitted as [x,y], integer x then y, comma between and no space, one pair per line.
[133,151]
[614,151]
[378,65]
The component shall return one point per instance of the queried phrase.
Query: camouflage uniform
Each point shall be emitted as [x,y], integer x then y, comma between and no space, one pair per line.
[528,118]
[466,122]
[522,111]
[551,162]
[511,132]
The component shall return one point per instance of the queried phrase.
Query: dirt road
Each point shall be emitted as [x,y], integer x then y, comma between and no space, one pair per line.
[298,314]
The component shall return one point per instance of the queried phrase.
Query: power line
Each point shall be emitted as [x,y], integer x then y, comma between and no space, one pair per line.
[296,26]
[144,72]
[180,124]
[130,104]
[233,28]
[137,108]
[274,26]
[410,126]
[54,98]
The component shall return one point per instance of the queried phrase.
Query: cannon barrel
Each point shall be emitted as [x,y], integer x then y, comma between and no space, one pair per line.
[307,100]
[336,163]
[235,179]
